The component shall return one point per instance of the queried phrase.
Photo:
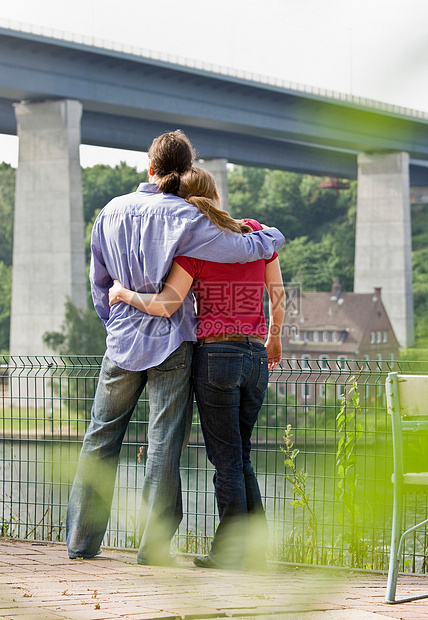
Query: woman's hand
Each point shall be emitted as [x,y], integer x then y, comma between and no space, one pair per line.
[274,351]
[114,294]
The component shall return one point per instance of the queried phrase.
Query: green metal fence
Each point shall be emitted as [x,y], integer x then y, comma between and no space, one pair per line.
[331,503]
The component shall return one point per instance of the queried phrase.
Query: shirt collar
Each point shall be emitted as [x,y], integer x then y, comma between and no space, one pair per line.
[150,188]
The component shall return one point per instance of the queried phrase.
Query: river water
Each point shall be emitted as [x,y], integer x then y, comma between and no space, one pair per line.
[35,479]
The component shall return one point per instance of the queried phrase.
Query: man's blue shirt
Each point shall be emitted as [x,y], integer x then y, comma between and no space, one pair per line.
[135,239]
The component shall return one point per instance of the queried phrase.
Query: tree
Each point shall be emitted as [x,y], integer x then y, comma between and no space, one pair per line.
[7,203]
[5,299]
[245,185]
[7,200]
[294,203]
[82,333]
[313,265]
[101,183]
[420,294]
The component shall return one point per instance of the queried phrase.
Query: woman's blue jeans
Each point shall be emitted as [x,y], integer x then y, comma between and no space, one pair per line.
[230,381]
[170,415]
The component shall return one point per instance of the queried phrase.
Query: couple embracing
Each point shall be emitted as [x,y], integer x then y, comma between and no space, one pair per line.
[153,252]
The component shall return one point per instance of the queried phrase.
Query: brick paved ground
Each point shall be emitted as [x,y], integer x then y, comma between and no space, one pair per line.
[39,582]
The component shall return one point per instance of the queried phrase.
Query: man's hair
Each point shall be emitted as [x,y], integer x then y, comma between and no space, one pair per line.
[197,186]
[170,155]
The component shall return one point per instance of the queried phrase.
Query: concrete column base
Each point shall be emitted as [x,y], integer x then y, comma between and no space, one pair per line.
[48,249]
[383,249]
[218,169]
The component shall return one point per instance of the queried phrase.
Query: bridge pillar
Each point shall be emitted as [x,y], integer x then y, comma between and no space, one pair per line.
[218,169]
[48,246]
[383,249]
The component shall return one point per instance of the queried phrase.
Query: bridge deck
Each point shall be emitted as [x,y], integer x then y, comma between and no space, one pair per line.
[38,581]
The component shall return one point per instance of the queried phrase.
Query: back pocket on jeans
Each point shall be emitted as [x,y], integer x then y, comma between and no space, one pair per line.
[225,369]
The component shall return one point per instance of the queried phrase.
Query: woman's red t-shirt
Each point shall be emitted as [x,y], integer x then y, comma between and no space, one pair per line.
[229,295]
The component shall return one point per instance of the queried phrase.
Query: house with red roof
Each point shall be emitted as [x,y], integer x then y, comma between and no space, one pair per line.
[336,333]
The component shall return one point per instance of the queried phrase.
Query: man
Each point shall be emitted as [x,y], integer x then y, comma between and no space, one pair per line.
[135,239]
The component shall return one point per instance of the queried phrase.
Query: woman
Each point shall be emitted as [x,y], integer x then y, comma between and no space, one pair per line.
[230,371]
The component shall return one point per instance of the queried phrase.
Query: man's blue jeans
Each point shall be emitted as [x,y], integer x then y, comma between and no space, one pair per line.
[230,381]
[170,414]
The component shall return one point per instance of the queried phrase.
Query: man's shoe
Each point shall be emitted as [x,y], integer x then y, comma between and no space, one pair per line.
[81,556]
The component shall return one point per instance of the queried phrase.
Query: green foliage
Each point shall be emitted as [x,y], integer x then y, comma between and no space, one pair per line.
[302,498]
[5,299]
[245,185]
[192,542]
[7,203]
[82,333]
[306,546]
[292,202]
[101,183]
[314,264]
[419,226]
[420,293]
[318,224]
[346,464]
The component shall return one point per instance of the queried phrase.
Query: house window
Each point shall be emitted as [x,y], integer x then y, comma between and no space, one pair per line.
[305,362]
[379,337]
[379,360]
[325,336]
[385,336]
[294,334]
[305,336]
[372,337]
[293,362]
[366,362]
[334,336]
[323,362]
[322,390]
[316,337]
[341,362]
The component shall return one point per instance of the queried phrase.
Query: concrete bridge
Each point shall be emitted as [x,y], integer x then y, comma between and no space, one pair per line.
[57,93]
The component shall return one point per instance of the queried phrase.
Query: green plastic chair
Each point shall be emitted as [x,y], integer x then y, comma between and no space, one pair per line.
[407,400]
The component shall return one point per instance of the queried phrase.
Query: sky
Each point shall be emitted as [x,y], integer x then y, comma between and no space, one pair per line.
[370,48]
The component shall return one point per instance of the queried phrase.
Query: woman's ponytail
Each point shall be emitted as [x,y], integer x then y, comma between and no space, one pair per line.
[197,187]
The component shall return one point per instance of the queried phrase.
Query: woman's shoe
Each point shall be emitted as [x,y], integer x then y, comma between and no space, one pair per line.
[206,562]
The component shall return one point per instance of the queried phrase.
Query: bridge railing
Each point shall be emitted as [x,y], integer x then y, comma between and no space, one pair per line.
[321,449]
[233,72]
